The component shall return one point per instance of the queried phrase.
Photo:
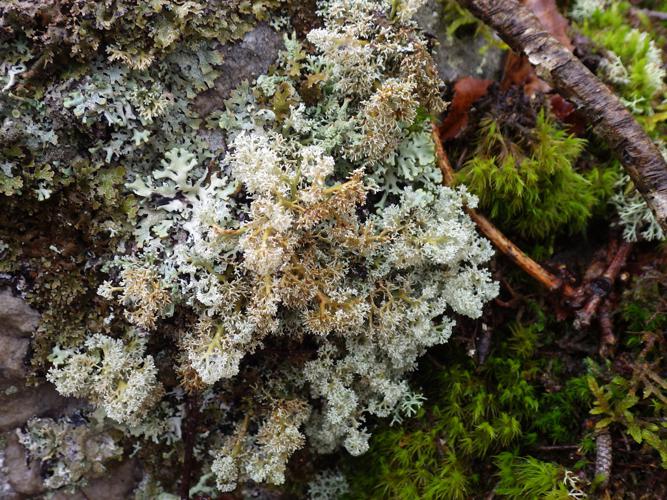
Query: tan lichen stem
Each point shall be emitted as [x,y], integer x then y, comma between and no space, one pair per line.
[550,281]
[640,157]
[228,232]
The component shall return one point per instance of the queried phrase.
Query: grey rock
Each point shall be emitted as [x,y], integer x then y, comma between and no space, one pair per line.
[245,60]
[117,484]
[17,318]
[20,475]
[20,402]
[13,351]
[458,57]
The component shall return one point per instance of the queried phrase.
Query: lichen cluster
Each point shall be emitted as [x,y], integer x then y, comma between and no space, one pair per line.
[272,271]
[522,422]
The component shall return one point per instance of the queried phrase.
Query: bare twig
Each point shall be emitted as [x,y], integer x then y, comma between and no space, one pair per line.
[549,280]
[607,337]
[558,447]
[522,31]
[601,287]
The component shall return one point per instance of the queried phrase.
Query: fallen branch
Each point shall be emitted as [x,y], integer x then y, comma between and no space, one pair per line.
[549,280]
[522,31]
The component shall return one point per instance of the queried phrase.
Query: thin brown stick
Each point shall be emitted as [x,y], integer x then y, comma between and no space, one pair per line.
[558,447]
[522,31]
[607,337]
[550,281]
[601,287]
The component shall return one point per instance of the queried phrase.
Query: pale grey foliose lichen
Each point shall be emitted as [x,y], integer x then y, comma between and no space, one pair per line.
[288,284]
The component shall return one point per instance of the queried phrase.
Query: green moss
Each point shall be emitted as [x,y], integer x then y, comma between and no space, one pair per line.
[475,414]
[632,60]
[528,477]
[528,182]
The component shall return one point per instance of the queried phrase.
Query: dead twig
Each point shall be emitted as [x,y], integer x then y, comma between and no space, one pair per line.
[640,157]
[601,287]
[549,280]
[607,337]
[558,447]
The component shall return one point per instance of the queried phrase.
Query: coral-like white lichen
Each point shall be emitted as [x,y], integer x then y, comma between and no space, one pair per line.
[278,267]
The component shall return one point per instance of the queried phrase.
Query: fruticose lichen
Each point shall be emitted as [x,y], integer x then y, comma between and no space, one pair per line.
[279,266]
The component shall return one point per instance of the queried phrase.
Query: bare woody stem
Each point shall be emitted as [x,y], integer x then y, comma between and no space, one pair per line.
[607,337]
[603,286]
[640,157]
[550,281]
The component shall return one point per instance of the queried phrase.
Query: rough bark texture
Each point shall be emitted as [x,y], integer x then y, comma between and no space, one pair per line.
[522,31]
[604,457]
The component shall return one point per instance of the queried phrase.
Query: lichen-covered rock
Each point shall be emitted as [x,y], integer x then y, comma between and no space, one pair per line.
[19,402]
[266,213]
[456,58]
[243,61]
[17,321]
[18,474]
[117,484]
[13,351]
[20,477]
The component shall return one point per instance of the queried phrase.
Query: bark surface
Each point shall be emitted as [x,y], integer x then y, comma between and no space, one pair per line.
[523,32]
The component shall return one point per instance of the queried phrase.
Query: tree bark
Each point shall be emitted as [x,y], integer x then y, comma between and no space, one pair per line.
[523,32]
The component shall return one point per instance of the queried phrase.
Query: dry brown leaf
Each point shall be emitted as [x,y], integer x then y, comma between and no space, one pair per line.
[552,20]
[518,71]
[565,111]
[466,91]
